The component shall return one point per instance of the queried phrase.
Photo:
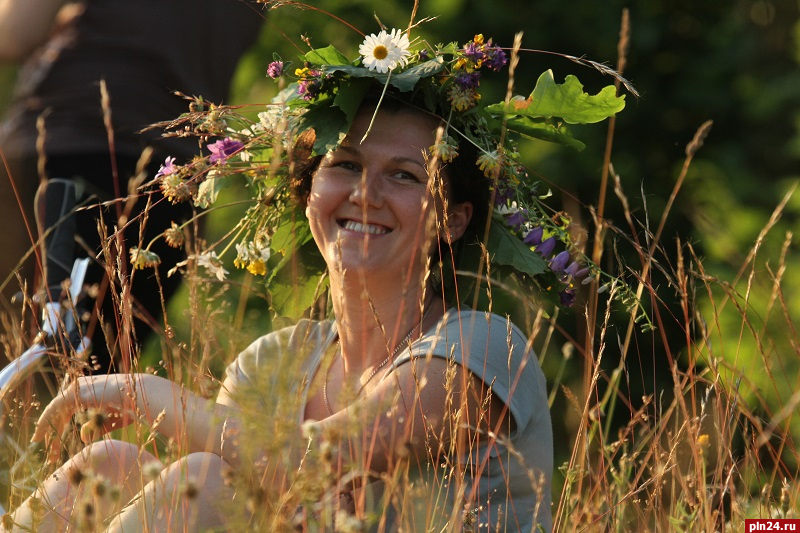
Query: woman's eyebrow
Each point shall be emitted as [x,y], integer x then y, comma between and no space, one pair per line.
[398,159]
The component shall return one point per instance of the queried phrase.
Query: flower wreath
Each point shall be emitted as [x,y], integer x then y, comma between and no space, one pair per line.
[325,93]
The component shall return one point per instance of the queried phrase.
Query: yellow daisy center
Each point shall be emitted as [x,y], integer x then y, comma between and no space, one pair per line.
[380,52]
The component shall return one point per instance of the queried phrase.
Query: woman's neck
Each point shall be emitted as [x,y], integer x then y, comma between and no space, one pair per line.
[372,321]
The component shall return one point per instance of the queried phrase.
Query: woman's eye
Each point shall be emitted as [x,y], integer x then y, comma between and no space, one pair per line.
[348,165]
[407,176]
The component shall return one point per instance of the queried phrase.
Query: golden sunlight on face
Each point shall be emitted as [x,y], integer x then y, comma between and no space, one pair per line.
[370,200]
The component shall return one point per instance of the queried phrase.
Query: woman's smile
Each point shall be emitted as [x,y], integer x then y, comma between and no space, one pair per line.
[358,227]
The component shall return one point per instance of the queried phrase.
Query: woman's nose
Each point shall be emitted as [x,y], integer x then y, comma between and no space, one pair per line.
[367,191]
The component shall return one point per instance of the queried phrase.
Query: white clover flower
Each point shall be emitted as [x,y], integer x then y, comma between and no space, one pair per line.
[213,264]
[271,118]
[385,51]
[507,209]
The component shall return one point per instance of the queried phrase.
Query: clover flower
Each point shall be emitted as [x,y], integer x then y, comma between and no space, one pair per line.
[176,189]
[446,149]
[495,57]
[275,69]
[462,99]
[141,258]
[167,168]
[213,264]
[174,236]
[223,149]
[310,84]
[270,119]
[473,50]
[490,163]
[385,51]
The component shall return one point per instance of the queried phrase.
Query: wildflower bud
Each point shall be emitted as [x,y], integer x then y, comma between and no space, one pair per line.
[99,489]
[75,476]
[190,490]
[546,248]
[572,269]
[766,493]
[558,263]
[785,499]
[534,236]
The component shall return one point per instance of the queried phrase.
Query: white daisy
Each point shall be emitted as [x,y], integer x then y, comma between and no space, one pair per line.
[385,51]
[213,264]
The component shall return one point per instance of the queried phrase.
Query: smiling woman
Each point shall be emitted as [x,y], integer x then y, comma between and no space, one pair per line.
[443,385]
[405,410]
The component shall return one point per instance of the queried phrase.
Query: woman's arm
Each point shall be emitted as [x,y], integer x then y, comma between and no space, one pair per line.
[24,25]
[425,407]
[194,422]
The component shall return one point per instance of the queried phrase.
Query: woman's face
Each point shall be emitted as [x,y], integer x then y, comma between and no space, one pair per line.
[370,201]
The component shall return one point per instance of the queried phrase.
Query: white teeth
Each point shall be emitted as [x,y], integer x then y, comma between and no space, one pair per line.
[364,228]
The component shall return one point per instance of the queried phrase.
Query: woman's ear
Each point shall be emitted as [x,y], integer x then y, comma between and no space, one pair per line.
[458,218]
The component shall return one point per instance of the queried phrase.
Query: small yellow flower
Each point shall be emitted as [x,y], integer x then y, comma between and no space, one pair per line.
[703,440]
[257,267]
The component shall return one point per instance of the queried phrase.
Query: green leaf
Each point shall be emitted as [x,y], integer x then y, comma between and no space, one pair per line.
[507,250]
[292,298]
[292,233]
[404,80]
[326,56]
[209,189]
[566,101]
[330,124]
[349,98]
[544,131]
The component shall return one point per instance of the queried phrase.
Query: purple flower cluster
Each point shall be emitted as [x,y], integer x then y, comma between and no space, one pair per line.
[561,264]
[480,52]
[222,150]
[275,69]
[310,86]
[467,80]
